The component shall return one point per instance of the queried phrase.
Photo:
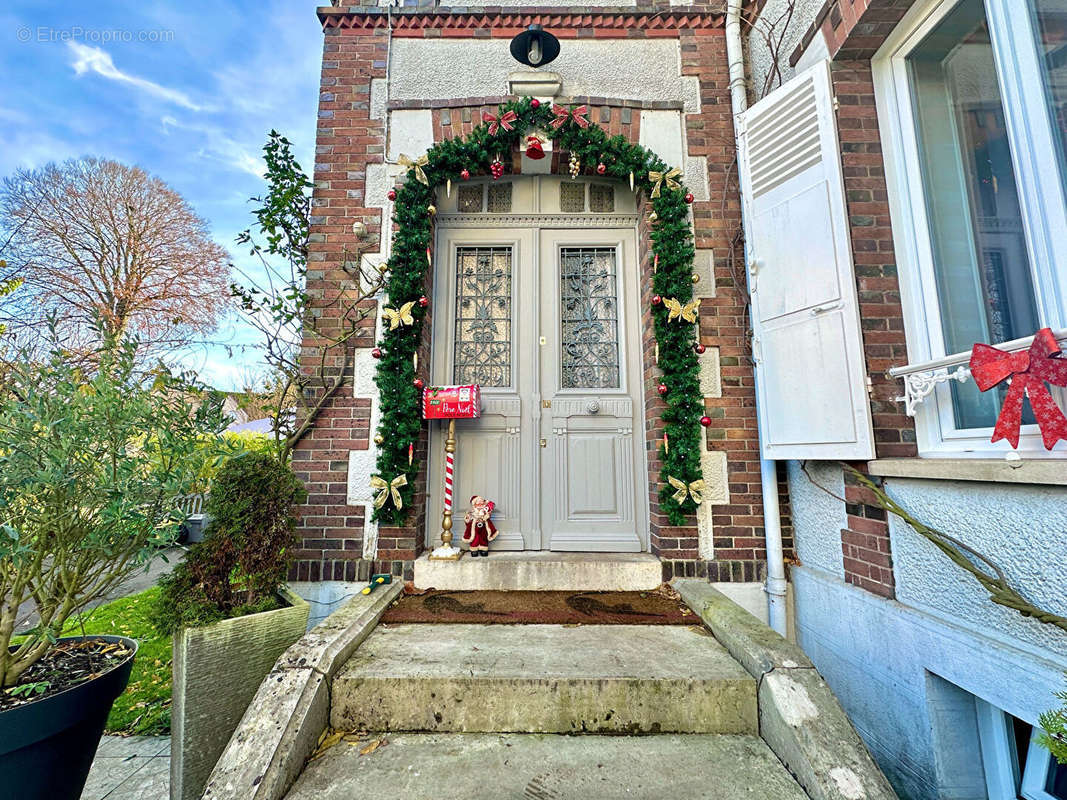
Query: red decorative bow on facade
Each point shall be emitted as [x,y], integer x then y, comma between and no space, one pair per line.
[1028,370]
[564,114]
[503,121]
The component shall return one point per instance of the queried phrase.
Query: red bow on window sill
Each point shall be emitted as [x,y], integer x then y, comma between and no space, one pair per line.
[1028,371]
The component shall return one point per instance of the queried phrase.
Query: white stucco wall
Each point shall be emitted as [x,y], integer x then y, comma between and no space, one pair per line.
[889,660]
[637,69]
[774,21]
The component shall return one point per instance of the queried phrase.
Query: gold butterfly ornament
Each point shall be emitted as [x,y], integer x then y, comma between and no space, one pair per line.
[676,310]
[401,316]
[694,490]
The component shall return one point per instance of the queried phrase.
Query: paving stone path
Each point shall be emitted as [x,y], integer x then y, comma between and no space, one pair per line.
[130,768]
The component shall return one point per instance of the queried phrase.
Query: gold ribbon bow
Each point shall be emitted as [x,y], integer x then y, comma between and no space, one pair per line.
[503,121]
[386,489]
[401,317]
[659,178]
[676,310]
[418,164]
[695,490]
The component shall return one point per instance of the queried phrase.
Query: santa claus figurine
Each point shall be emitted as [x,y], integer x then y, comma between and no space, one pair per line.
[479,530]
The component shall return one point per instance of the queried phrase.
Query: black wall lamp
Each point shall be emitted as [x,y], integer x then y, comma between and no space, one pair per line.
[534,47]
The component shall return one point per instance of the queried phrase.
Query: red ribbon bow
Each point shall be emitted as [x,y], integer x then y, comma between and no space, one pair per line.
[564,114]
[503,121]
[1028,370]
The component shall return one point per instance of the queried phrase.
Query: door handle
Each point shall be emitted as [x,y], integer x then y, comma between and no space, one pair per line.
[823,309]
[544,443]
[593,406]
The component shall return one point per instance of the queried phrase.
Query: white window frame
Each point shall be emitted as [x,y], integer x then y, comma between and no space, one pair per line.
[1004,779]
[1041,195]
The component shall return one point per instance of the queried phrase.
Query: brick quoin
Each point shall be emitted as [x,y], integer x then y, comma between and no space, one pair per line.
[354,53]
[867,556]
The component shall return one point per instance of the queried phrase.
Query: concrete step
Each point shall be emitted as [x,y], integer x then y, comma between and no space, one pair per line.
[543,571]
[544,679]
[468,766]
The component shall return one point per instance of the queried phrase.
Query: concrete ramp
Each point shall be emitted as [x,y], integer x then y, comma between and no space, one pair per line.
[536,767]
[544,679]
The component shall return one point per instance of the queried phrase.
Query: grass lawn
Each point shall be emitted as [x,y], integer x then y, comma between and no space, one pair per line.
[144,708]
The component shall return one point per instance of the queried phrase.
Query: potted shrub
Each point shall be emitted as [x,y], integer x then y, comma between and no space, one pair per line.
[91,458]
[229,610]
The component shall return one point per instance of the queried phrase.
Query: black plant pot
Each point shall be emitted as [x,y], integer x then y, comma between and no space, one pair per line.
[47,747]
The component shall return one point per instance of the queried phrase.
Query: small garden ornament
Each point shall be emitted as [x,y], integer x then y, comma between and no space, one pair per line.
[479,530]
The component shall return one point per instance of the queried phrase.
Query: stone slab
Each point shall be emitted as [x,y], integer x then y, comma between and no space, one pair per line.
[544,679]
[547,767]
[282,724]
[543,571]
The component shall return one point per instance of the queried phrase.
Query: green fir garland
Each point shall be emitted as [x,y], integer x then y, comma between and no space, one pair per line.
[672,241]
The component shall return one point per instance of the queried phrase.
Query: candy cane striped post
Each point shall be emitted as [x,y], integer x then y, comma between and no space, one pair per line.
[446,517]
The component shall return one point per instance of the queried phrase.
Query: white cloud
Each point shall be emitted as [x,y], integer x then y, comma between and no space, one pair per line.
[219,146]
[94,59]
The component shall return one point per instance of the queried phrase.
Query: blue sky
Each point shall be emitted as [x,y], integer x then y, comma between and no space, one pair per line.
[186,89]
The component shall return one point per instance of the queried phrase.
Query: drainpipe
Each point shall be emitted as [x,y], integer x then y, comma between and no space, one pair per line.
[772,521]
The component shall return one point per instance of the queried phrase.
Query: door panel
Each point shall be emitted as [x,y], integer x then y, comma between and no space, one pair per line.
[589,364]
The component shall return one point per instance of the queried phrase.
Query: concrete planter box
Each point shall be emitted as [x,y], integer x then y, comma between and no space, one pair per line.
[217,670]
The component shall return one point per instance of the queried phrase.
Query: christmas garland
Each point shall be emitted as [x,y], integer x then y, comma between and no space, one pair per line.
[673,312]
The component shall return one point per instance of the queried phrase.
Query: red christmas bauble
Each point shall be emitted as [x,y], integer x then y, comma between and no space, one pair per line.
[601,168]
[656,299]
[465,174]
[699,349]
[689,197]
[705,421]
[535,103]
[417,383]
[662,388]
[391,194]
[424,301]
[376,352]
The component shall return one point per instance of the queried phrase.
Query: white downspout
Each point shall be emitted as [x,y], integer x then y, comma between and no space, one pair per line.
[772,521]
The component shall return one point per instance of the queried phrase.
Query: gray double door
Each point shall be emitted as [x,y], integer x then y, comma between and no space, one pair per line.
[546,321]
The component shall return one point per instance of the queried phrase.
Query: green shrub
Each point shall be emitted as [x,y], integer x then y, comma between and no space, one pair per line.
[247,550]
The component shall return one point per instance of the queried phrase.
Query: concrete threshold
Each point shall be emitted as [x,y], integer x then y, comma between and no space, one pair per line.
[542,571]
[544,679]
[547,767]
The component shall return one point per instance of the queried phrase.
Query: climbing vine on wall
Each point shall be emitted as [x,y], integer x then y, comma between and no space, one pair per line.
[671,246]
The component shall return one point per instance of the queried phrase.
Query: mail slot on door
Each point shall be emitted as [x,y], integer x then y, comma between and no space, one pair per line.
[452,402]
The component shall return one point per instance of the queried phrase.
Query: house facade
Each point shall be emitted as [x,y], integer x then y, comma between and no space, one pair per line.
[540,287]
[947,120]
[895,195]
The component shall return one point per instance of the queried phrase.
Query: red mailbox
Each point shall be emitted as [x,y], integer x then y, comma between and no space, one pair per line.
[452,402]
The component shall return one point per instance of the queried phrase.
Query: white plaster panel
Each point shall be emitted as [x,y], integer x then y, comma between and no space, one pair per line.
[704,268]
[696,177]
[691,94]
[410,133]
[661,132]
[1021,528]
[785,29]
[716,492]
[710,373]
[880,657]
[646,69]
[817,517]
[379,97]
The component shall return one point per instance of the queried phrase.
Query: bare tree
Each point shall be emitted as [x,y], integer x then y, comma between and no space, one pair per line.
[108,249]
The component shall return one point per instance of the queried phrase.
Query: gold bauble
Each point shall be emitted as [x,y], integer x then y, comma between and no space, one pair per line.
[695,278]
[379,440]
[432,209]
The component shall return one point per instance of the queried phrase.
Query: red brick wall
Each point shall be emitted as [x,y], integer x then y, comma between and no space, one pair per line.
[867,556]
[354,53]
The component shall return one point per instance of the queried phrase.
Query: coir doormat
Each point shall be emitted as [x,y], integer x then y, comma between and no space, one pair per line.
[541,608]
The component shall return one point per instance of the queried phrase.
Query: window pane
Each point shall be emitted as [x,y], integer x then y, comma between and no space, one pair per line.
[984,286]
[1051,19]
[483,316]
[589,318]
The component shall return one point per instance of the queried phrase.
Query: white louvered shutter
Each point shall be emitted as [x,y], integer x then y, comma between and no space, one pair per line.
[807,341]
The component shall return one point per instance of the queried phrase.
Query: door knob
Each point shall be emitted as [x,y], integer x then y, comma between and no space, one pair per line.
[592,406]
[544,443]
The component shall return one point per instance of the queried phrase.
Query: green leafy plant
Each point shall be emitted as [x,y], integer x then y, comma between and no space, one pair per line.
[1054,730]
[280,308]
[672,244]
[245,557]
[28,689]
[90,466]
